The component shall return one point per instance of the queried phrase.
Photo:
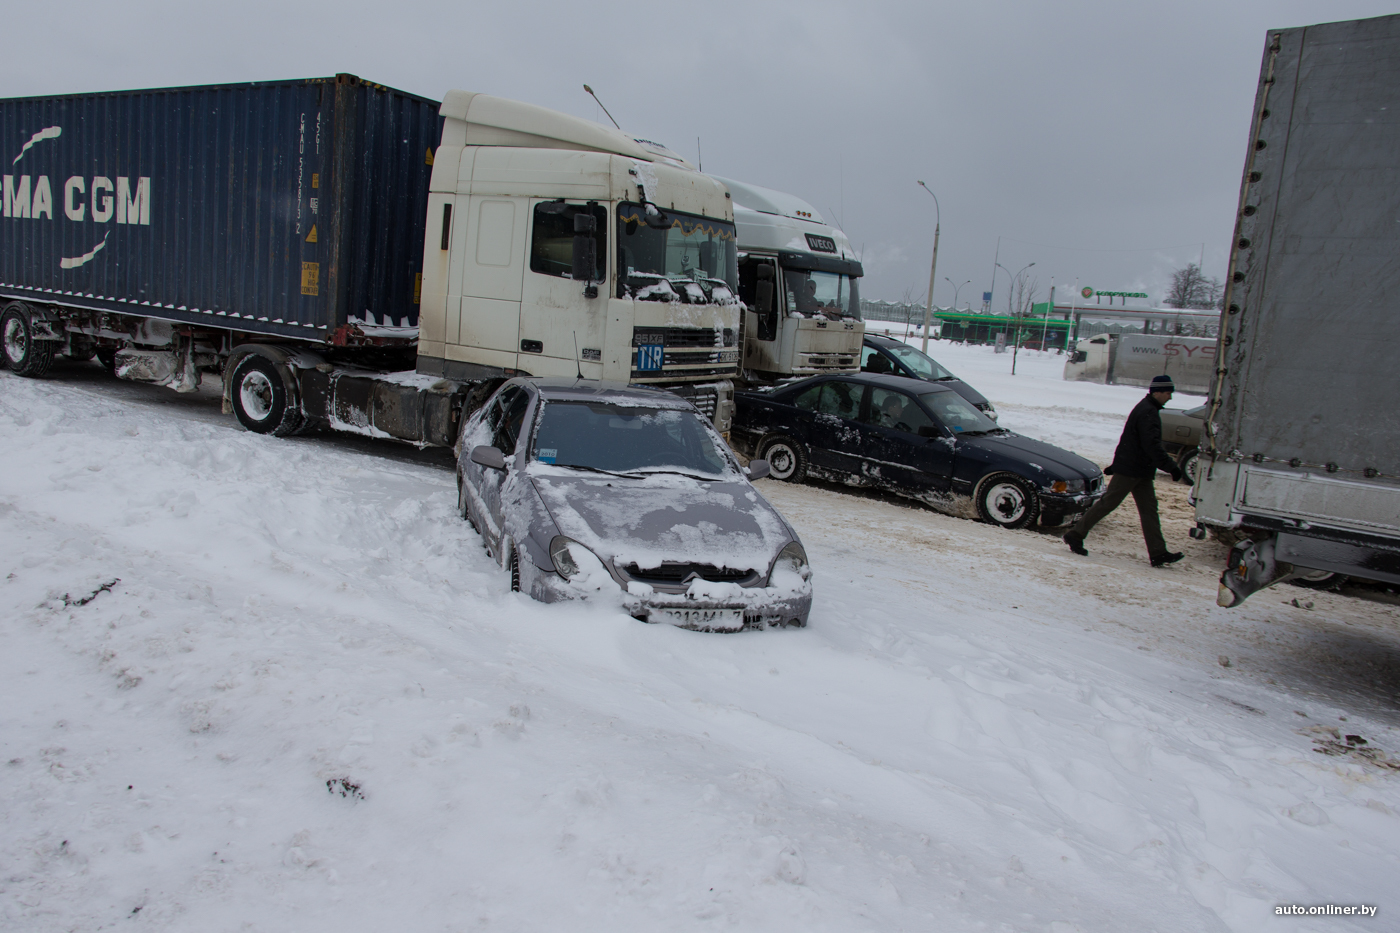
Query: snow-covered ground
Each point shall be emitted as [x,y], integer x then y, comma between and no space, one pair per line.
[302,699]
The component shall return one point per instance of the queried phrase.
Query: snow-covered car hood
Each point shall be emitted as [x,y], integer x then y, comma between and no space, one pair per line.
[1053,459]
[663,518]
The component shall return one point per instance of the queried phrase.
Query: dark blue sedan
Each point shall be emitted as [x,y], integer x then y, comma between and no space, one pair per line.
[916,439]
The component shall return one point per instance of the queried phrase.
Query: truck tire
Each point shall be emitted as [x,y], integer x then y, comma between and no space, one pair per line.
[261,398]
[1007,500]
[1324,580]
[787,460]
[24,355]
[81,348]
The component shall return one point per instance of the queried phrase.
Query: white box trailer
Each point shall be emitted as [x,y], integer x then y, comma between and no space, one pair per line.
[1301,450]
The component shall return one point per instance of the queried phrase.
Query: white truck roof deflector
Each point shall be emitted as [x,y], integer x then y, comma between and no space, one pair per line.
[498,121]
[768,201]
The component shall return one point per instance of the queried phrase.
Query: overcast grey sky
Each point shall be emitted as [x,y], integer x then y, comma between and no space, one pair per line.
[1102,141]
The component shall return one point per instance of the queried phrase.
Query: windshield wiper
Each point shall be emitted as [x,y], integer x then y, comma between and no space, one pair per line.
[592,469]
[703,479]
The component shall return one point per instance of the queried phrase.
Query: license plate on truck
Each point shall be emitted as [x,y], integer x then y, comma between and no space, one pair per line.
[707,618]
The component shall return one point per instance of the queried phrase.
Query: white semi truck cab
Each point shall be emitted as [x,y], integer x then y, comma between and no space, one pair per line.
[798,278]
[555,246]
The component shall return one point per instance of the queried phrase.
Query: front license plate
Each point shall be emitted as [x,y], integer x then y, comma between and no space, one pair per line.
[708,618]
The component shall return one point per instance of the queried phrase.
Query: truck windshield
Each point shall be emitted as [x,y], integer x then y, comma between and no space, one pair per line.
[619,439]
[826,294]
[695,260]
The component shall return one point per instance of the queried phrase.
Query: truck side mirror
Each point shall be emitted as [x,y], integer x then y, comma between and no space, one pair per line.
[585,252]
[763,290]
[930,430]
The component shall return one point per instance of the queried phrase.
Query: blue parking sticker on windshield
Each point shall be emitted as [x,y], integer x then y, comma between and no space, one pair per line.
[650,357]
[547,454]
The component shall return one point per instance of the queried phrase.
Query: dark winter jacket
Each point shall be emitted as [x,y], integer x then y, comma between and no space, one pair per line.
[1140,450]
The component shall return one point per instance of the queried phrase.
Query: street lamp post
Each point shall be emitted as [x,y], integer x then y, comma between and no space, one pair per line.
[956,289]
[933,266]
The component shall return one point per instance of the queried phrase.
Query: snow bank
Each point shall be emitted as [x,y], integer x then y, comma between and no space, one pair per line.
[307,702]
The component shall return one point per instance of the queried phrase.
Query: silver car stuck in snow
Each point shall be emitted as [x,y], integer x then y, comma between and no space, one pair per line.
[600,491]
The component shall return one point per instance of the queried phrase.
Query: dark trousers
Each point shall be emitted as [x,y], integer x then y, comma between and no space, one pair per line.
[1144,494]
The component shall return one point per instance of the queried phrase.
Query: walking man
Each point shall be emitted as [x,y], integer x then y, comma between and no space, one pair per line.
[1135,464]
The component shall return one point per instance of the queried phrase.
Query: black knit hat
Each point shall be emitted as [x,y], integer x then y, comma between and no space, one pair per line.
[1162,384]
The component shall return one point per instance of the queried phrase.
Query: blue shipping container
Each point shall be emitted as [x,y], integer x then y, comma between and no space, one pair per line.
[285,208]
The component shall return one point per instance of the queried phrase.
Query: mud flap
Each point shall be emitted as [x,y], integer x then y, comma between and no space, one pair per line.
[1251,567]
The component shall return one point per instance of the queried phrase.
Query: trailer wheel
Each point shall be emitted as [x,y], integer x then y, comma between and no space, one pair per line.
[1324,580]
[787,460]
[1007,500]
[261,397]
[81,348]
[107,356]
[22,353]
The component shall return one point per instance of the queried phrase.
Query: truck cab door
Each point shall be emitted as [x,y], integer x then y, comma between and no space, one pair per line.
[484,280]
[557,323]
[764,303]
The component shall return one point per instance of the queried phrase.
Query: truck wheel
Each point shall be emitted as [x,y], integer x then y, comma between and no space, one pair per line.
[1007,500]
[81,348]
[1319,580]
[107,356]
[261,397]
[787,460]
[23,354]
[1187,463]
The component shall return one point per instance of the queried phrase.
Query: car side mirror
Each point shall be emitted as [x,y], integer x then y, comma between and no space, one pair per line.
[585,252]
[489,457]
[929,430]
[758,469]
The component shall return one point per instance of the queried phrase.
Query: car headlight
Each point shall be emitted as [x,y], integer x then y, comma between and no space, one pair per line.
[1073,485]
[792,559]
[576,563]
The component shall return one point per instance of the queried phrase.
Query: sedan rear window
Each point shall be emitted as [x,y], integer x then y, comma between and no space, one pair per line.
[620,439]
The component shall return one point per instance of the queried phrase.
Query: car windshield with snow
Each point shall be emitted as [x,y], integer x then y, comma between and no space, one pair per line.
[924,441]
[587,490]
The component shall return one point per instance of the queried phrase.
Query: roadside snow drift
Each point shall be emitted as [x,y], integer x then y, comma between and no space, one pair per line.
[261,684]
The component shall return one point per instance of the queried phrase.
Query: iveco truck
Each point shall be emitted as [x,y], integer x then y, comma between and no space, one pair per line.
[350,255]
[1300,455]
[798,280]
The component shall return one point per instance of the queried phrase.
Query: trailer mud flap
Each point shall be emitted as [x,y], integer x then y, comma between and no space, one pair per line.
[1251,567]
